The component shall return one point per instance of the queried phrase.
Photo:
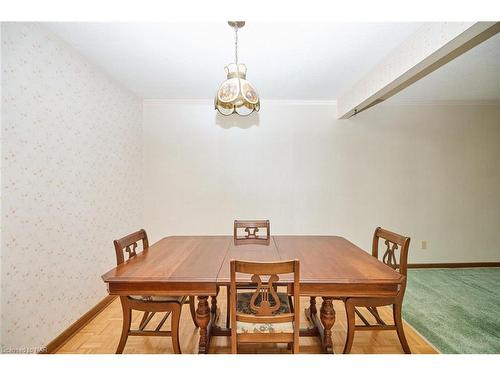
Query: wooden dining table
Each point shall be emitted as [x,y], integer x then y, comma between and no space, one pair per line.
[330,267]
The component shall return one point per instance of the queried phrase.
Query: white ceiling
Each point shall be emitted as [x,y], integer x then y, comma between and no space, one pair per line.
[473,76]
[317,61]
[294,61]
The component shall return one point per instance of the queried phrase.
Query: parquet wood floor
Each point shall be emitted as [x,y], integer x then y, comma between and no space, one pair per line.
[101,335]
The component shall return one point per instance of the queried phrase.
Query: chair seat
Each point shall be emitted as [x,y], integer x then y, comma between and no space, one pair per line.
[243,306]
[179,299]
[244,327]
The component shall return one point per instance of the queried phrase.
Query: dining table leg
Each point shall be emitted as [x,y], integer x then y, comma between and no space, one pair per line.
[203,318]
[215,329]
[311,315]
[327,316]
[214,310]
[312,305]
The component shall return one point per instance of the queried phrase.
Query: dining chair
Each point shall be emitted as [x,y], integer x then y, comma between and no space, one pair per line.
[251,229]
[394,243]
[246,232]
[265,315]
[150,305]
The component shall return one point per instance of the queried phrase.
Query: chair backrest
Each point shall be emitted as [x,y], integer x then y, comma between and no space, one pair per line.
[247,232]
[393,242]
[265,302]
[128,244]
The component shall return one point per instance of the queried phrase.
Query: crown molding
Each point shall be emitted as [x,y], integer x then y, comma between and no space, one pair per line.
[263,101]
[331,102]
[178,101]
[297,102]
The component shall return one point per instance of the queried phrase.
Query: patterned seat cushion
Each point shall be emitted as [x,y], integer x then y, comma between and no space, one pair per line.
[179,299]
[244,327]
[243,306]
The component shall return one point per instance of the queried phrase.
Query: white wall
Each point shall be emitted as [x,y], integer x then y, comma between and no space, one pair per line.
[71,183]
[72,148]
[431,172]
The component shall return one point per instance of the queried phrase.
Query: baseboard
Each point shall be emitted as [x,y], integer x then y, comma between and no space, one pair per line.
[454,265]
[73,329]
[422,337]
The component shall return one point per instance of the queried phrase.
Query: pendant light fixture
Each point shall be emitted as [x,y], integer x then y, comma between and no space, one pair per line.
[236,94]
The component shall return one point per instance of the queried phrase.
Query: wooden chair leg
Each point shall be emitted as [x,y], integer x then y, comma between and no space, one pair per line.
[228,309]
[234,337]
[234,344]
[398,322]
[351,321]
[176,317]
[192,308]
[127,319]
[290,345]
[296,346]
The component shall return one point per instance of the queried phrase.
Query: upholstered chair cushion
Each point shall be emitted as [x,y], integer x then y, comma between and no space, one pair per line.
[243,306]
[179,299]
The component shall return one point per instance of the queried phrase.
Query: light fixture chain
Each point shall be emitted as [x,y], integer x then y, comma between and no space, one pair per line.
[236,58]
[236,45]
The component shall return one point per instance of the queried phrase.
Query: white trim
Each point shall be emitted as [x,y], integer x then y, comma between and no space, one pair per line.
[263,101]
[426,102]
[332,102]
[178,101]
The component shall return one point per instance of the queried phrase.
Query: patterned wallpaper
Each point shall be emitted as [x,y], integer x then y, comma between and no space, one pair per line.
[71,183]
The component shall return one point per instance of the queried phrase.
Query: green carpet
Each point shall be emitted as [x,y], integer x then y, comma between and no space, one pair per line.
[457,310]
